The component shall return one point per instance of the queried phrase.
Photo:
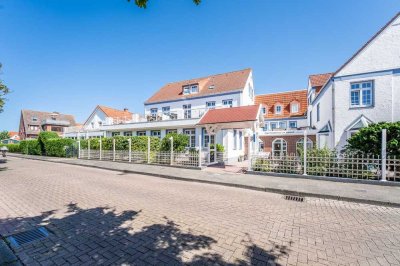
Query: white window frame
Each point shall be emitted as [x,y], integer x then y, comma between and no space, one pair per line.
[273,125]
[210,105]
[153,111]
[168,131]
[318,112]
[155,133]
[358,87]
[294,110]
[186,90]
[187,111]
[227,102]
[141,133]
[128,133]
[166,110]
[194,88]
[295,124]
[300,143]
[264,110]
[276,109]
[283,149]
[191,132]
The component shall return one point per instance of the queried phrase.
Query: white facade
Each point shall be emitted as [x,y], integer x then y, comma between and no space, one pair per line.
[366,89]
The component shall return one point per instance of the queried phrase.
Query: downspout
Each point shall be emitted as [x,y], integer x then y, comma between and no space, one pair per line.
[333,113]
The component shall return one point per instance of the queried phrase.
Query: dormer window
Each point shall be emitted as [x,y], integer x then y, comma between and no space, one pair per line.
[294,107]
[278,109]
[264,110]
[34,119]
[211,87]
[190,89]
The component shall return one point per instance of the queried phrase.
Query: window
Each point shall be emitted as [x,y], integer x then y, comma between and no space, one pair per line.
[240,140]
[155,133]
[128,133]
[279,147]
[251,91]
[115,134]
[153,112]
[191,133]
[311,122]
[56,129]
[235,139]
[207,138]
[228,102]
[194,89]
[265,128]
[294,108]
[278,109]
[187,111]
[300,144]
[168,131]
[33,127]
[361,94]
[186,90]
[166,110]
[273,125]
[264,110]
[210,105]
[34,118]
[318,115]
[141,133]
[282,125]
[292,124]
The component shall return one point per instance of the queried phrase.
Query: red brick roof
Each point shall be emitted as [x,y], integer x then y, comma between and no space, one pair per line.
[285,99]
[221,83]
[319,80]
[115,113]
[230,115]
[13,134]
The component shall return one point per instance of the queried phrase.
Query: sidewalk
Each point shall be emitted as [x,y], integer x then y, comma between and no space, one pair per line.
[355,192]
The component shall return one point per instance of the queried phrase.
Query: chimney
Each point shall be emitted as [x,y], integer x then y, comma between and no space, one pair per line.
[125,109]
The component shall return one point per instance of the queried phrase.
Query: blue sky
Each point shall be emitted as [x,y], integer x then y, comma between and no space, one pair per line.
[70,55]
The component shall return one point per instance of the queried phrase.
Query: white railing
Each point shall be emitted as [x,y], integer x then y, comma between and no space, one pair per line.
[175,115]
[335,165]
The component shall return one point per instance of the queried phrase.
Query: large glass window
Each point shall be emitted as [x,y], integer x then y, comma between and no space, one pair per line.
[153,112]
[279,147]
[166,110]
[156,133]
[194,89]
[187,111]
[292,124]
[191,133]
[294,107]
[361,94]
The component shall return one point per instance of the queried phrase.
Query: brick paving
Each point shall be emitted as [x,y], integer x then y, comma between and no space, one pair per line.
[106,217]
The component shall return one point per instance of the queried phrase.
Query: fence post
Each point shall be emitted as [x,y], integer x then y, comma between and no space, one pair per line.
[172,149]
[88,145]
[100,146]
[305,153]
[130,149]
[113,149]
[200,144]
[79,149]
[249,153]
[383,157]
[148,149]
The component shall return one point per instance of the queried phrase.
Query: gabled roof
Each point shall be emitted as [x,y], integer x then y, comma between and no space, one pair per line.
[115,113]
[359,122]
[220,83]
[285,99]
[367,43]
[230,115]
[319,80]
[13,135]
[36,118]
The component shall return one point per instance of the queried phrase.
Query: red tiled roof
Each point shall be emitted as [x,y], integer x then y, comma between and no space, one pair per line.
[115,113]
[230,115]
[319,80]
[284,99]
[221,83]
[13,134]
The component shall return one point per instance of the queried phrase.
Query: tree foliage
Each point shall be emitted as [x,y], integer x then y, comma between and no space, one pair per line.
[4,135]
[43,137]
[143,3]
[368,140]
[4,90]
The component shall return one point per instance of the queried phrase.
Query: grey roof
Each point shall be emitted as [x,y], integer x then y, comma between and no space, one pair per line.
[39,118]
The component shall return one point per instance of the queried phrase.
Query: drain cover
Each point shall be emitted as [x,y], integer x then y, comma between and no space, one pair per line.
[294,198]
[28,236]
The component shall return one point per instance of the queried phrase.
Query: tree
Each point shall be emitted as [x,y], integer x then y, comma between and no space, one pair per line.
[368,139]
[3,91]
[143,3]
[4,135]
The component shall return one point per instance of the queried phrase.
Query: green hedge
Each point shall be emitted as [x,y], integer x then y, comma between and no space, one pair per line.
[31,147]
[57,147]
[12,147]
[139,143]
[43,137]
[180,142]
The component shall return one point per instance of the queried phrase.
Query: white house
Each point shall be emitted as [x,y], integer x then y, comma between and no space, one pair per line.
[363,90]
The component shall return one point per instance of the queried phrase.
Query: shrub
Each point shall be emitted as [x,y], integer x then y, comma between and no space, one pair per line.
[31,147]
[43,137]
[139,143]
[368,139]
[57,147]
[180,142]
[12,147]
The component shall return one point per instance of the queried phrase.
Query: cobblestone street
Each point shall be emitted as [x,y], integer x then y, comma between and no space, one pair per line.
[105,217]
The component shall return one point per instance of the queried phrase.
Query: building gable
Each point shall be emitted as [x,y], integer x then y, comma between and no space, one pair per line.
[381,52]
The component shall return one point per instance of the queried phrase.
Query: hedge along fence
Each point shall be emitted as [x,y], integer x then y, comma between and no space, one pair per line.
[12,147]
[138,143]
[58,147]
[31,147]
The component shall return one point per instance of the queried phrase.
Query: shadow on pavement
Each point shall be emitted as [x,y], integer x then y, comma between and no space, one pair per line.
[103,236]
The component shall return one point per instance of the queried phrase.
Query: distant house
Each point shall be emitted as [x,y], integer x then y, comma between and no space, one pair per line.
[14,138]
[33,122]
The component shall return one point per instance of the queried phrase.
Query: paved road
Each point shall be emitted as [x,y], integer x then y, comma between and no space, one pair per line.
[99,216]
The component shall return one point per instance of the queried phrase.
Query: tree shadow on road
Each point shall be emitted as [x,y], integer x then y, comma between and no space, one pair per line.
[103,236]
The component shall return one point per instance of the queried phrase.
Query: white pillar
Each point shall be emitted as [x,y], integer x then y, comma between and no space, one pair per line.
[130,149]
[79,149]
[113,149]
[172,150]
[148,149]
[101,150]
[88,146]
[384,155]
[215,147]
[209,148]
[305,153]
[249,152]
[200,144]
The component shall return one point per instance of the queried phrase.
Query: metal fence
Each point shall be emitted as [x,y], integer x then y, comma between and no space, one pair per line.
[332,165]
